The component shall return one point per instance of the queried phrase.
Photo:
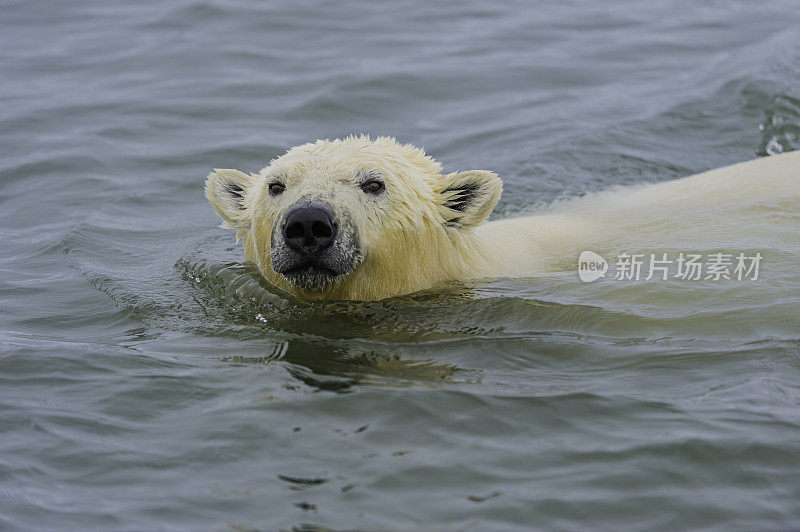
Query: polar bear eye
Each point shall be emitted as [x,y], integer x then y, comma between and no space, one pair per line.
[276,188]
[373,186]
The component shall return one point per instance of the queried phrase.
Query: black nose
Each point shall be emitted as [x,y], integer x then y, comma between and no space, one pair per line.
[309,229]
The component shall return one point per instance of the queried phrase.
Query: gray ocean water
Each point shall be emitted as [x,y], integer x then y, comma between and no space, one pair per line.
[149,380]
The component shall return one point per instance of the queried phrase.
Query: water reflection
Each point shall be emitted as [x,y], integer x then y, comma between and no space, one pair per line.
[327,366]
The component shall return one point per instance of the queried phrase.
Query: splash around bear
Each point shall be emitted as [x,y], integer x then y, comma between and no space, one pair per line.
[364,219]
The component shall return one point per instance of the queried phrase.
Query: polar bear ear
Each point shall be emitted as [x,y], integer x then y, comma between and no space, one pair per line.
[469,197]
[226,190]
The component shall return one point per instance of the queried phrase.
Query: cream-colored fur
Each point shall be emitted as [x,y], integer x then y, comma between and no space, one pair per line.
[413,237]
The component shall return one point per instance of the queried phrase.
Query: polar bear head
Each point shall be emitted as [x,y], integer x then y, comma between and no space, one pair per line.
[355,218]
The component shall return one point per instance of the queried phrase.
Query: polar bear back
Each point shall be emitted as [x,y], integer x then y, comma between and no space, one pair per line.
[750,205]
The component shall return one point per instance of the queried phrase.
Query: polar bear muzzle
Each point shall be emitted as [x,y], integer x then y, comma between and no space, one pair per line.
[309,229]
[312,247]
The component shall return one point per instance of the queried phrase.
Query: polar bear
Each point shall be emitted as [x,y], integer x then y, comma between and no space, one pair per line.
[367,219]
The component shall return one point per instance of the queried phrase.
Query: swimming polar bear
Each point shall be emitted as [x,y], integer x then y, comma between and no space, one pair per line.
[364,219]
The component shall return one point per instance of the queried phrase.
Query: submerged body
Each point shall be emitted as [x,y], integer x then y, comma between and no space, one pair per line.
[368,219]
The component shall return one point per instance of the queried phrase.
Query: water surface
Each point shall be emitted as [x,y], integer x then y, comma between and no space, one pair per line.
[149,380]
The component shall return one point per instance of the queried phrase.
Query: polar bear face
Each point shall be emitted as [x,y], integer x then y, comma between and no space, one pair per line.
[352,219]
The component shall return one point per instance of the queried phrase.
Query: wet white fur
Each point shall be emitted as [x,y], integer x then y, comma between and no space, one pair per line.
[412,240]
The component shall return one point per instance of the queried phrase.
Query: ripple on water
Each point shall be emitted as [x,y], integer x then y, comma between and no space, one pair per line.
[160,376]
